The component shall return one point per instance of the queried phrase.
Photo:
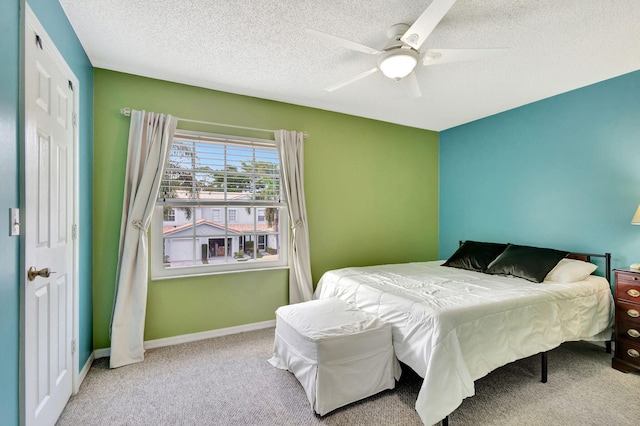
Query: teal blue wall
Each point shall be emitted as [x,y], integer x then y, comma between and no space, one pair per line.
[563,172]
[54,21]
[9,296]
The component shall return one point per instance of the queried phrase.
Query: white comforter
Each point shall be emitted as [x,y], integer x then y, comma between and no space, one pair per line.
[454,326]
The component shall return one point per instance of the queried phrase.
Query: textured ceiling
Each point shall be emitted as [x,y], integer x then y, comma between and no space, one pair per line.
[260,48]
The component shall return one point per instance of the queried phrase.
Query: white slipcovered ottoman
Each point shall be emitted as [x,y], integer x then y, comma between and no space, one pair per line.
[338,353]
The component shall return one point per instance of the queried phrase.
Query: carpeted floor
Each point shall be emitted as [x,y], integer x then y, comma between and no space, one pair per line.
[228,381]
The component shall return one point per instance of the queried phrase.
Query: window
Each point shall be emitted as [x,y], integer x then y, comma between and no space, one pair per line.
[228,213]
[169,214]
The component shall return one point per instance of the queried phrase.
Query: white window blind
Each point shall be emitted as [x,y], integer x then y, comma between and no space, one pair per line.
[210,169]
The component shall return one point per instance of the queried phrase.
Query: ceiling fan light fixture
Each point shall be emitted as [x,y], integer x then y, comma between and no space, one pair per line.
[396,64]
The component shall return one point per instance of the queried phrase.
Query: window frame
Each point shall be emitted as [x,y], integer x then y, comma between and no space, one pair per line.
[158,270]
[171,216]
[232,217]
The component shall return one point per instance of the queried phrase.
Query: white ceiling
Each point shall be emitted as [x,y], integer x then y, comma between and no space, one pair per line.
[260,48]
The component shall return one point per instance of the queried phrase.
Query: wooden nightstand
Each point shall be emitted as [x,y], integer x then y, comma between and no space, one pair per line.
[627,295]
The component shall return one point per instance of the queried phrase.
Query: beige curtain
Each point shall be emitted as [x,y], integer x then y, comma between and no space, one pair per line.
[291,153]
[150,137]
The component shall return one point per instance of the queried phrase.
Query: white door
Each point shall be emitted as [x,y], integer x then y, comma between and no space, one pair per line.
[48,219]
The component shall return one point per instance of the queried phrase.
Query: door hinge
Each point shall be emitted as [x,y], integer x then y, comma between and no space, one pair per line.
[74,344]
[74,231]
[39,41]
[74,119]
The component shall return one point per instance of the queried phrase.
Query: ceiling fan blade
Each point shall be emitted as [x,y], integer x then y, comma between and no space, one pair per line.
[411,86]
[443,56]
[353,79]
[424,25]
[343,42]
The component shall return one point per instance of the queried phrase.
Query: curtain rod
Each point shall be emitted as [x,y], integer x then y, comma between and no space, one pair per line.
[126,111]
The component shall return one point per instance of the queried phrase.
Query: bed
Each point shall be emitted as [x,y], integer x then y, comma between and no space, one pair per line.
[454,325]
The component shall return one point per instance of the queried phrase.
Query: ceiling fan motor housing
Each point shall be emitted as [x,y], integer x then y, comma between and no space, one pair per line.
[397,60]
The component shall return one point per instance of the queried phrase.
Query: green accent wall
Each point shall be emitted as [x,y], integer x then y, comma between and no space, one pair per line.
[371,190]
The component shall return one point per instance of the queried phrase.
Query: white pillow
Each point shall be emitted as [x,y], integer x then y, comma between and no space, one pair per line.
[570,271]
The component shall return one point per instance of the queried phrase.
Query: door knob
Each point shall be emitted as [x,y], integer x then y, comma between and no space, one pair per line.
[32,273]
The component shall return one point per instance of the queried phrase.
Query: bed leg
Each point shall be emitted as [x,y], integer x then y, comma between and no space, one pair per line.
[445,421]
[607,346]
[544,367]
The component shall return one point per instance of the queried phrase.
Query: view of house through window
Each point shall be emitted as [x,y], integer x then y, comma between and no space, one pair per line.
[221,207]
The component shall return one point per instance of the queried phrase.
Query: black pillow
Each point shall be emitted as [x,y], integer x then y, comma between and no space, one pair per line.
[530,263]
[475,256]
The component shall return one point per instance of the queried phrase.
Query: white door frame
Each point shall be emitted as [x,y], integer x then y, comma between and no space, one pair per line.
[29,20]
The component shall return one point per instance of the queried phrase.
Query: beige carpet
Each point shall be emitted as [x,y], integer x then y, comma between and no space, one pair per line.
[228,381]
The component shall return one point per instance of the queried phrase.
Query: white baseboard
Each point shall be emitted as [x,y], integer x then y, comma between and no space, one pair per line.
[102,353]
[193,337]
[83,373]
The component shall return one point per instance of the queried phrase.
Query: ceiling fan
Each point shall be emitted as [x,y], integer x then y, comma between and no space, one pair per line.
[401,54]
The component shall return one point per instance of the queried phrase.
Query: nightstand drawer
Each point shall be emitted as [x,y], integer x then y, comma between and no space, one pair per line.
[627,328]
[627,289]
[628,277]
[628,353]
[628,312]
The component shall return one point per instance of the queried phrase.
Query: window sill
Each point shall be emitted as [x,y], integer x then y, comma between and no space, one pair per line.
[204,274]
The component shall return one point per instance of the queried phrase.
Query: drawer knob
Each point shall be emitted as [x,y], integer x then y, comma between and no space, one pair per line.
[633,313]
[633,332]
[633,353]
[633,292]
